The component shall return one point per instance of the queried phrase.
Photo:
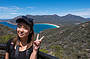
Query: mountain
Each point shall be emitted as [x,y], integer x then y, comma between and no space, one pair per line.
[45,18]
[69,42]
[55,19]
[88,19]
[72,18]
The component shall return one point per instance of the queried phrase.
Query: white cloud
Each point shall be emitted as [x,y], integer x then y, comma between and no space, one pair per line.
[5,16]
[9,12]
[15,13]
[80,12]
[11,8]
[3,8]
[12,11]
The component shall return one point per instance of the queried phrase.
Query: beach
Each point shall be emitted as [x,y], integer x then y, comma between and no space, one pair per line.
[50,24]
[40,23]
[36,23]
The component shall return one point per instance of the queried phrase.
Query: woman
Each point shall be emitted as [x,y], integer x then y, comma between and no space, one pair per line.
[23,46]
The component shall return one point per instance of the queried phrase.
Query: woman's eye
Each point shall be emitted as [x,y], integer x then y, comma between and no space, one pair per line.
[18,26]
[25,27]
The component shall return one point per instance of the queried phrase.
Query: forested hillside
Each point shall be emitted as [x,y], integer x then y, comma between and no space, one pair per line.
[6,33]
[70,42]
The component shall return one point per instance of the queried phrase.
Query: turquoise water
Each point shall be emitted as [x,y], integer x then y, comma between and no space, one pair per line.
[37,27]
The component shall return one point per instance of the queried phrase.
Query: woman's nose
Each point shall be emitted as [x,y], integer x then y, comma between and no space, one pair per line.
[21,30]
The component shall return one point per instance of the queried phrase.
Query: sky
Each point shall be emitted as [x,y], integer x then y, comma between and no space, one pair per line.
[12,8]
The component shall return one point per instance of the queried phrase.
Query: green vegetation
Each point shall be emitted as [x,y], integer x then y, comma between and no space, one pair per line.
[44,50]
[57,51]
[70,42]
[6,33]
[5,38]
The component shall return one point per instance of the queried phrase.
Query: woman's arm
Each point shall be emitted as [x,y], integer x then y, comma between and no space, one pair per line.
[33,55]
[36,45]
[6,55]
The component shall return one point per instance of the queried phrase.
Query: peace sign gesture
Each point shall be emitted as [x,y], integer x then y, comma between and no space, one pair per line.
[37,42]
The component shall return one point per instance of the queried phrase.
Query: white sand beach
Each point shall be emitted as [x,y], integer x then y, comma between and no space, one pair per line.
[50,24]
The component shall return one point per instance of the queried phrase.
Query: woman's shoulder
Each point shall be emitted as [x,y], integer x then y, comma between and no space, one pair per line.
[8,45]
[10,40]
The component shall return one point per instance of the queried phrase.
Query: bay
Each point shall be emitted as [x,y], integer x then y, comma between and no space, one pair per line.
[37,27]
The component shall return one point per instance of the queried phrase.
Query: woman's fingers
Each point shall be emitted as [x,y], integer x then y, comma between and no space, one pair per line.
[37,42]
[41,38]
[36,45]
[37,37]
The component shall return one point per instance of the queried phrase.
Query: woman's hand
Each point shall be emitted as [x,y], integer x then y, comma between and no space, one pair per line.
[37,43]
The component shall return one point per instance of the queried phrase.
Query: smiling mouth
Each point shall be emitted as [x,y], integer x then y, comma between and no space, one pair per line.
[21,34]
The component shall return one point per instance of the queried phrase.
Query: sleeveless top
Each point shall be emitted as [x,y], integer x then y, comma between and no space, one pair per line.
[14,54]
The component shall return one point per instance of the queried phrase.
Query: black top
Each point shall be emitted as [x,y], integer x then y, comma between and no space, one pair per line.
[25,54]
[21,54]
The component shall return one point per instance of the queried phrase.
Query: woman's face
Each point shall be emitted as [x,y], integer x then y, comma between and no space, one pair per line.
[23,30]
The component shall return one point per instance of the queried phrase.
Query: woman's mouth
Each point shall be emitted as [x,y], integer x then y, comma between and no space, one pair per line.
[21,34]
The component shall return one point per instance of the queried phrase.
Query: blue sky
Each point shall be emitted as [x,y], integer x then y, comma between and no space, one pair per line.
[12,8]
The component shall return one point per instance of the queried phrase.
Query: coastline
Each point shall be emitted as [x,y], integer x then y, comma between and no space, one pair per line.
[11,23]
[49,24]
[8,22]
[35,23]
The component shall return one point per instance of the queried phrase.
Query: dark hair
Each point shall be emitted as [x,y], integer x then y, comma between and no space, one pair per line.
[30,36]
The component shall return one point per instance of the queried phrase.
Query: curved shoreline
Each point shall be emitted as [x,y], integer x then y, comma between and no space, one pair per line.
[36,23]
[50,24]
[12,23]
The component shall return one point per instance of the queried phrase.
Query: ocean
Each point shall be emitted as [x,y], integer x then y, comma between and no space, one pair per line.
[37,27]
